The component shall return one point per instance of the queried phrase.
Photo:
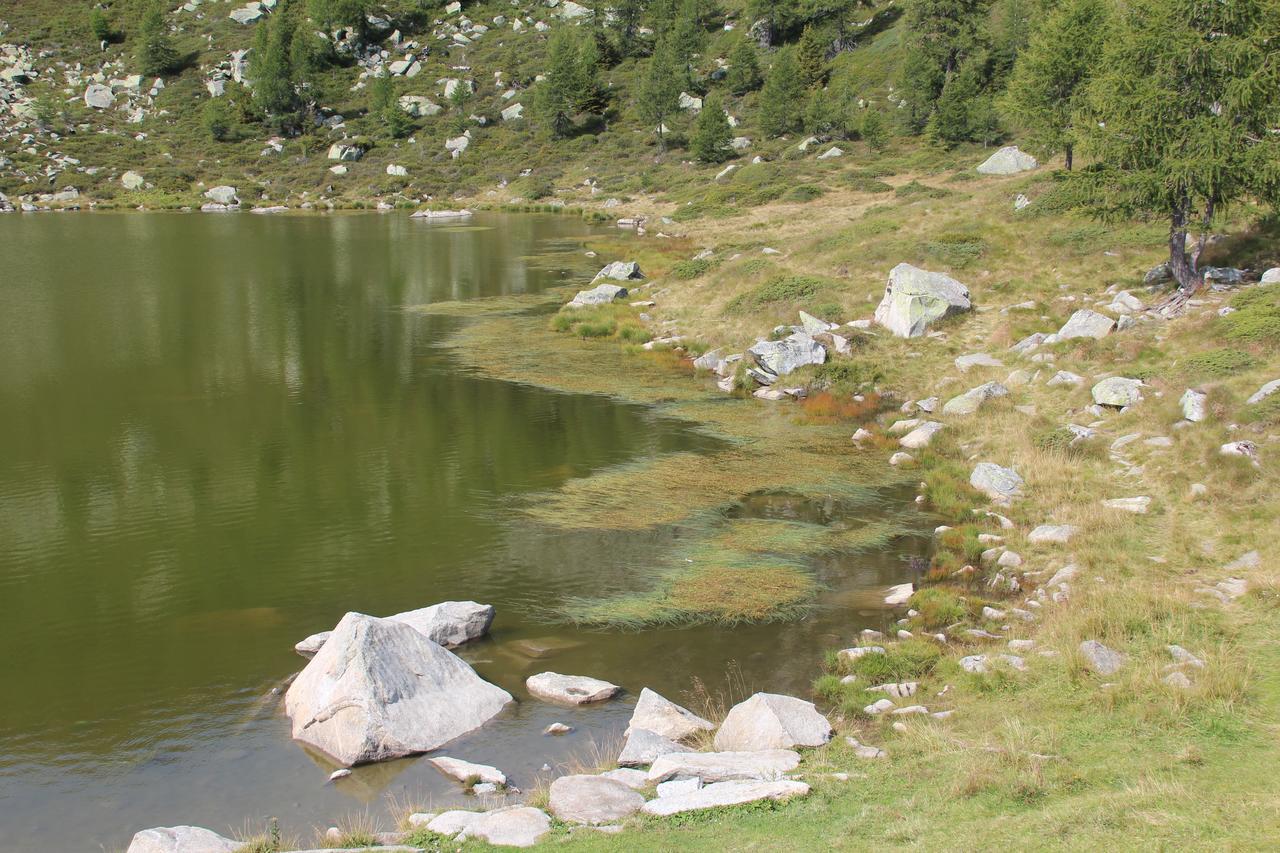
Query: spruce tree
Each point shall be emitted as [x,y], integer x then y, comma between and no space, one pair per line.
[940,35]
[744,68]
[711,132]
[100,27]
[659,95]
[1180,119]
[625,25]
[269,68]
[560,91]
[873,129]
[1049,80]
[156,54]
[782,98]
[811,55]
[588,94]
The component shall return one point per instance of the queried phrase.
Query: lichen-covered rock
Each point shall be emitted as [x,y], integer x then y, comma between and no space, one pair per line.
[601,294]
[995,481]
[1118,391]
[779,358]
[378,689]
[915,298]
[620,271]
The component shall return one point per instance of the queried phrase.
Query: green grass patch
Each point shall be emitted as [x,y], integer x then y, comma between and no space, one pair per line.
[787,288]
[1218,363]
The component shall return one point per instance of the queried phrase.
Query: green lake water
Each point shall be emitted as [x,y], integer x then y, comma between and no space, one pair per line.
[220,433]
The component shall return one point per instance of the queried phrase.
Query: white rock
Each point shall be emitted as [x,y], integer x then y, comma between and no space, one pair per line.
[831,153]
[1266,390]
[995,481]
[1247,449]
[1271,276]
[132,180]
[1086,324]
[397,171]
[664,717]
[592,799]
[449,623]
[518,826]
[601,294]
[570,689]
[971,400]
[1138,505]
[1102,660]
[181,839]
[677,787]
[463,771]
[897,596]
[632,778]
[619,271]
[643,747]
[1051,534]
[379,689]
[222,195]
[915,298]
[1118,391]
[977,359]
[725,794]
[1007,161]
[772,721]
[99,97]
[1194,405]
[724,766]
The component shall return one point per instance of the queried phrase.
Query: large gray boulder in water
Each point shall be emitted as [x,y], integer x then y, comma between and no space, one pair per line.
[779,358]
[660,715]
[378,689]
[914,298]
[772,721]
[181,839]
[1007,161]
[449,623]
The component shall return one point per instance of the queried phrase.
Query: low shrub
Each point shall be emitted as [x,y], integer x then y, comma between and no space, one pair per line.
[787,288]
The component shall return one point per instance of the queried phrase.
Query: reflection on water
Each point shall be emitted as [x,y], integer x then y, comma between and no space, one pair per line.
[221,433]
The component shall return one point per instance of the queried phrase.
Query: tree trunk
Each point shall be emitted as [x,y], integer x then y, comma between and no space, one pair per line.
[1070,155]
[1181,265]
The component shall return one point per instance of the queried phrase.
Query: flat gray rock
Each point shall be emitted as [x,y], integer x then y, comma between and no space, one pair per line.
[643,747]
[780,358]
[970,401]
[977,359]
[1051,534]
[772,721]
[1264,392]
[592,799]
[1102,660]
[601,294]
[570,689]
[725,766]
[620,271]
[378,689]
[664,717]
[921,436]
[518,826]
[996,481]
[632,778]
[723,794]
[1086,324]
[462,771]
[181,839]
[915,298]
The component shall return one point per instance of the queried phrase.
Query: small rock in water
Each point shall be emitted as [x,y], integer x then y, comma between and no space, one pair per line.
[570,689]
[557,729]
[339,774]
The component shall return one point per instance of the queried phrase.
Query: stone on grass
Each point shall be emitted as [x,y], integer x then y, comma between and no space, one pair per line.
[1177,679]
[465,771]
[1247,449]
[1100,659]
[1194,405]
[724,766]
[601,294]
[1118,391]
[1138,505]
[901,458]
[518,826]
[723,794]
[915,298]
[772,721]
[865,751]
[996,481]
[629,776]
[969,402]
[620,271]
[99,97]
[1007,161]
[1182,656]
[977,359]
[222,195]
[643,747]
[1265,391]
[1271,276]
[1051,534]
[592,799]
[664,717]
[1065,377]
[378,689]
[1086,324]
[570,689]
[132,180]
[181,839]
[780,358]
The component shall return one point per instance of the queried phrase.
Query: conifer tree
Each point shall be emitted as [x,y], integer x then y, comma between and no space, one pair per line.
[156,54]
[873,129]
[1180,119]
[782,98]
[1049,80]
[811,55]
[560,92]
[744,68]
[940,35]
[269,67]
[659,93]
[711,132]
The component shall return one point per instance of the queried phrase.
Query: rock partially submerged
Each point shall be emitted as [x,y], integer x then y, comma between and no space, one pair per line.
[723,794]
[442,215]
[465,771]
[592,799]
[772,721]
[181,839]
[379,689]
[915,298]
[570,689]
[661,716]
[449,623]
